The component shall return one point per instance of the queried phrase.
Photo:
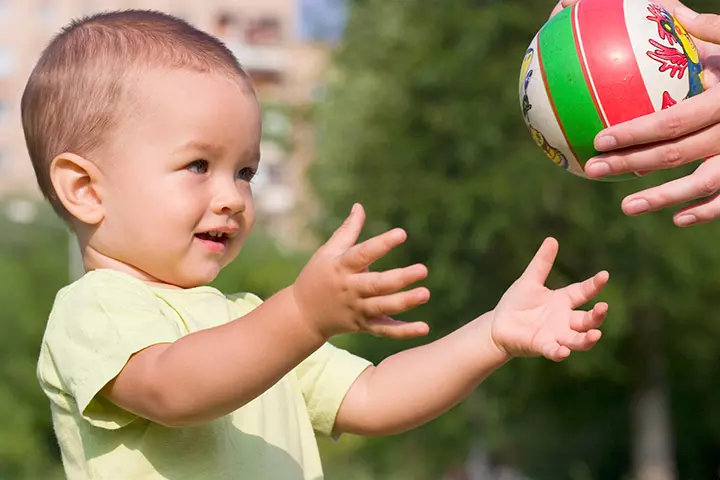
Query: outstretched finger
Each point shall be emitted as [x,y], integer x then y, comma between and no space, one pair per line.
[702,183]
[361,256]
[347,234]
[699,213]
[585,321]
[582,292]
[395,329]
[395,303]
[540,266]
[373,284]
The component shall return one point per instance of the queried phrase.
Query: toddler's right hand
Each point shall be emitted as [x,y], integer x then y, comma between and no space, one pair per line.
[336,293]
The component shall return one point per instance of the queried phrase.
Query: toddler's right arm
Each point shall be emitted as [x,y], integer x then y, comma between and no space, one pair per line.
[211,373]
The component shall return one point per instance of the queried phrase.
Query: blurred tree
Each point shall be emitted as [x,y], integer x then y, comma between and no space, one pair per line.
[422,125]
[33,266]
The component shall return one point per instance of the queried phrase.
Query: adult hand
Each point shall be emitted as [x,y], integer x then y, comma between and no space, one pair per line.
[687,132]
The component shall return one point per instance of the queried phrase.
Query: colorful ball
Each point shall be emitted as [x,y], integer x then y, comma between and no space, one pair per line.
[600,63]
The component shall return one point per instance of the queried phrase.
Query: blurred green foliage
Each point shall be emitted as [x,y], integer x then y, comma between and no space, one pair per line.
[33,266]
[422,125]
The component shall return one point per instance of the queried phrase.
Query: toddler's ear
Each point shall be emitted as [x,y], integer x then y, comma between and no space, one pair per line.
[75,180]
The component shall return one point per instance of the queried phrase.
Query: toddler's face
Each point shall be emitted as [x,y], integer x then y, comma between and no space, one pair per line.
[175,178]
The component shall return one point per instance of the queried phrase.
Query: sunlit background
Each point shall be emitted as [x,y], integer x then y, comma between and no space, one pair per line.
[283,44]
[410,107]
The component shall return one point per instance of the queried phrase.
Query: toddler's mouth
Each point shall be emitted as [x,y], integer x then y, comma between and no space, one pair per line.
[213,236]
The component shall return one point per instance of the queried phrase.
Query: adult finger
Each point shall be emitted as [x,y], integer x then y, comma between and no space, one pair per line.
[395,329]
[688,116]
[705,26]
[665,155]
[347,234]
[373,284]
[540,266]
[699,213]
[561,5]
[702,183]
[558,8]
[361,256]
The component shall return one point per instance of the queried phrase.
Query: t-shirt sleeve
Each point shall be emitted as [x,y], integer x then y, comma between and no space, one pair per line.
[325,378]
[93,331]
[245,301]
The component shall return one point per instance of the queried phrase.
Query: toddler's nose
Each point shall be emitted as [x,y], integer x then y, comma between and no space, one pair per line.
[228,201]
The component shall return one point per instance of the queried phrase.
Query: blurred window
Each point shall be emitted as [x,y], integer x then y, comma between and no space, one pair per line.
[264,31]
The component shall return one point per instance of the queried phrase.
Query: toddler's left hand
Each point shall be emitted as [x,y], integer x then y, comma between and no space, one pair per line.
[532,320]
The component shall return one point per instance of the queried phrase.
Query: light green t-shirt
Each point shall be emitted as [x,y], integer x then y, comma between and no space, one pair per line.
[98,322]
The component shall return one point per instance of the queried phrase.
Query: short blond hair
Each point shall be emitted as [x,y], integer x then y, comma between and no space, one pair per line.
[76,91]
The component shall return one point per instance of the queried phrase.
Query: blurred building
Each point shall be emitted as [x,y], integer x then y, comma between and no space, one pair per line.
[261,33]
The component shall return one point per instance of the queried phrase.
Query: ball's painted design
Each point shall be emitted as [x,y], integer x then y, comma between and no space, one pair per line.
[669,58]
[600,63]
[526,75]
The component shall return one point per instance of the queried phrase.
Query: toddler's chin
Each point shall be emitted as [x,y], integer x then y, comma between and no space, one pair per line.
[196,280]
[190,278]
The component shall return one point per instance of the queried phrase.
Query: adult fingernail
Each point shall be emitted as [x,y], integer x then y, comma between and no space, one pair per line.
[606,142]
[597,169]
[685,220]
[635,207]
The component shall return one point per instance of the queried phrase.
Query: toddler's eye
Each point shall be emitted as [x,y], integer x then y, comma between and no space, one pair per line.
[246,174]
[198,166]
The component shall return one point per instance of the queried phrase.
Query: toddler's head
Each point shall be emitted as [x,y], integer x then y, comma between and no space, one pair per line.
[144,134]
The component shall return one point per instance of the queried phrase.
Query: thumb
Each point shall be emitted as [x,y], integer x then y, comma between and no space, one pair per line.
[347,234]
[561,4]
[542,263]
[705,26]
[558,8]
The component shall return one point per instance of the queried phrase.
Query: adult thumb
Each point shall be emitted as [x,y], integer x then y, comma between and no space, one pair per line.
[704,26]
[561,5]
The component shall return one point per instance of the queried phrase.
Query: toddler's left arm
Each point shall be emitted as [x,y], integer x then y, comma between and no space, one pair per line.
[412,387]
